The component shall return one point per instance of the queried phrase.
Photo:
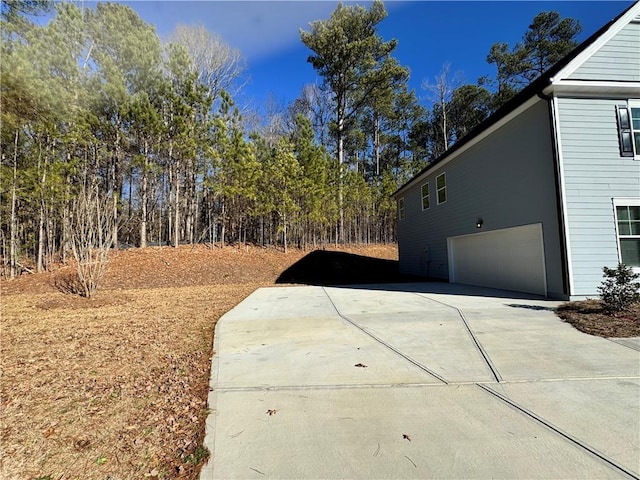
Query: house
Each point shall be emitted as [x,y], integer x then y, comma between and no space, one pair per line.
[545,192]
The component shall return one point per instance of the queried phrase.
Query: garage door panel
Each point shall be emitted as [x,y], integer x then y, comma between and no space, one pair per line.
[511,259]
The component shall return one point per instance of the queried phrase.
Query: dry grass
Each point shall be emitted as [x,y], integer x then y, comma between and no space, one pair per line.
[116,386]
[102,387]
[590,317]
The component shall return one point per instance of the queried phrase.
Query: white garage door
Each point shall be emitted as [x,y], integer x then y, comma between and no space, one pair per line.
[509,259]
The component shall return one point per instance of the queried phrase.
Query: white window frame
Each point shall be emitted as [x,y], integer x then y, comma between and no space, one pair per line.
[401,207]
[443,174]
[634,104]
[624,202]
[423,196]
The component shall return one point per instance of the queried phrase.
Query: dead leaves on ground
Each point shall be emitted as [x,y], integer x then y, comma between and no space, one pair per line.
[137,374]
[123,376]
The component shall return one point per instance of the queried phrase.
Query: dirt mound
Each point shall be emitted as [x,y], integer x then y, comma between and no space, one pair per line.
[197,265]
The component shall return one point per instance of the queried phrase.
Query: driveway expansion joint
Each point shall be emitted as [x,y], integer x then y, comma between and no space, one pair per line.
[623,343]
[339,386]
[382,342]
[564,379]
[596,453]
[478,345]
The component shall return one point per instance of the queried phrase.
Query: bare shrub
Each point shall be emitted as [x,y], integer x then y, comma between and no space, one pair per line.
[91,226]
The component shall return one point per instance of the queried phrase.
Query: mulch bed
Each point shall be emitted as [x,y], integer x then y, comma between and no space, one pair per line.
[589,316]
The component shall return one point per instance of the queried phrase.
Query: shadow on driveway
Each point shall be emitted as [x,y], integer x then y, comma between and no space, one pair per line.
[324,268]
[347,270]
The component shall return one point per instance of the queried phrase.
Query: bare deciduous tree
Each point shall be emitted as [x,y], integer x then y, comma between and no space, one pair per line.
[91,224]
[314,103]
[440,94]
[219,66]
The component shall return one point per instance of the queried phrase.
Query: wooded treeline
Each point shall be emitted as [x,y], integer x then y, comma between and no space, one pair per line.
[94,105]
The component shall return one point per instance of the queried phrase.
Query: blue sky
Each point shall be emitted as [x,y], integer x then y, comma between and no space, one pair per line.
[429,34]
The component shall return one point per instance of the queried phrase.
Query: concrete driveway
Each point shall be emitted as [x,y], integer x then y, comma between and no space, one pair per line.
[417,381]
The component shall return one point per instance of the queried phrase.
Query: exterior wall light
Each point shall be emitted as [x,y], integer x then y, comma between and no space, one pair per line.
[479,223]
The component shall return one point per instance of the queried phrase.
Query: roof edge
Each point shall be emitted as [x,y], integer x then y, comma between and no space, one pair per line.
[535,88]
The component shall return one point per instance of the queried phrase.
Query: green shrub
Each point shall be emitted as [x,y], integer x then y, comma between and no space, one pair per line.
[619,289]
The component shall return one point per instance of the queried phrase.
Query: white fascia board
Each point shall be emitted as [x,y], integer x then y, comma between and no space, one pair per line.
[589,88]
[478,138]
[577,62]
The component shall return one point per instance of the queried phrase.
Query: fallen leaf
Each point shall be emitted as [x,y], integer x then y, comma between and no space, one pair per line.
[406,437]
[271,412]
[361,365]
[82,443]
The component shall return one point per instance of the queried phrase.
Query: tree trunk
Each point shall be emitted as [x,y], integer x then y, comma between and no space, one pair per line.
[143,194]
[168,190]
[444,126]
[376,140]
[43,179]
[65,221]
[340,235]
[50,235]
[13,250]
[284,232]
[40,262]
[114,184]
[191,195]
[224,222]
[176,211]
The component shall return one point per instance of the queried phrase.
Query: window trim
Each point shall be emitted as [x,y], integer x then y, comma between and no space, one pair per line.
[633,104]
[625,129]
[443,174]
[624,202]
[427,196]
[401,208]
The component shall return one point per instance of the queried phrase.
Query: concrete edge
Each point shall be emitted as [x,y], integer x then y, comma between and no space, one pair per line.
[212,402]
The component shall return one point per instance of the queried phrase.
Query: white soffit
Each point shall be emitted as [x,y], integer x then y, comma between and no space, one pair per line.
[588,88]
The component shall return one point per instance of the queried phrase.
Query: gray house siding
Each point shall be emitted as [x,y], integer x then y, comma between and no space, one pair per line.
[507,179]
[618,59]
[594,173]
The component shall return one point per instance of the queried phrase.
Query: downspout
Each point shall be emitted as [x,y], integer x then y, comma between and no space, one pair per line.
[560,210]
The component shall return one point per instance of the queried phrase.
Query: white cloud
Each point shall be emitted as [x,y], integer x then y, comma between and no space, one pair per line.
[259,29]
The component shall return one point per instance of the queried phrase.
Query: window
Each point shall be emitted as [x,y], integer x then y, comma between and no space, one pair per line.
[425,196]
[401,208]
[441,187]
[629,128]
[635,128]
[628,222]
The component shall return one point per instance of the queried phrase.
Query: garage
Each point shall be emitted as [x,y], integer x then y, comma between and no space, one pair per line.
[509,259]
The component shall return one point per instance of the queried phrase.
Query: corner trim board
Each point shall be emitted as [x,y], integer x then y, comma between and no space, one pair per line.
[563,192]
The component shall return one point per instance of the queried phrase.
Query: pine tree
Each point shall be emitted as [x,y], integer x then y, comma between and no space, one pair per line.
[547,39]
[354,63]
